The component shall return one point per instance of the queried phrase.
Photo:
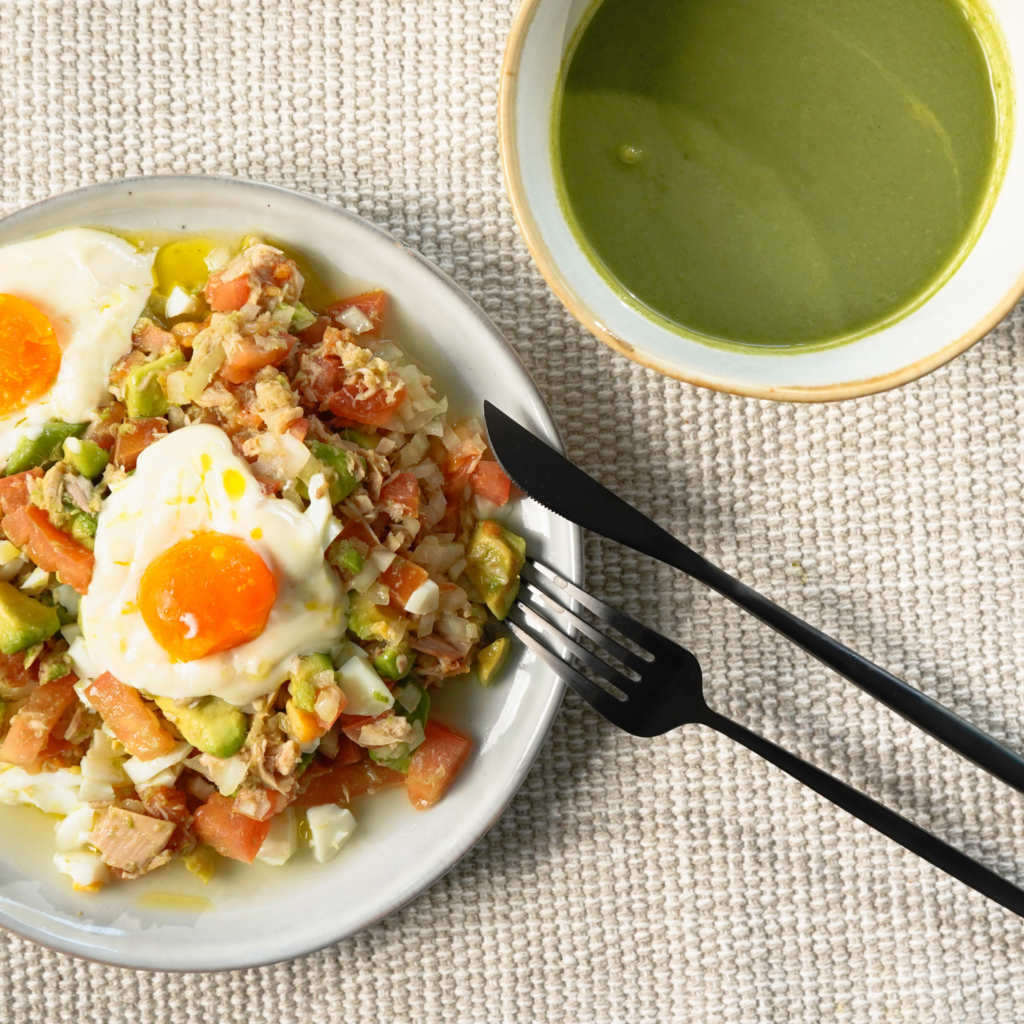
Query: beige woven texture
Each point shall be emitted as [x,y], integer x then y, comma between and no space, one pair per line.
[674,880]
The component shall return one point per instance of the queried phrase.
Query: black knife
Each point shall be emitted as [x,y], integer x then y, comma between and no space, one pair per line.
[556,483]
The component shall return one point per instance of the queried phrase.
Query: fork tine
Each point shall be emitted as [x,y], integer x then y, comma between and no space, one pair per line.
[603,702]
[591,660]
[634,661]
[613,617]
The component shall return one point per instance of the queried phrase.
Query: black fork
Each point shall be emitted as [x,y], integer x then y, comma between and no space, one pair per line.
[662,689]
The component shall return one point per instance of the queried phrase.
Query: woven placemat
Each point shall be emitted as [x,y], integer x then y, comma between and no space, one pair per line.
[674,880]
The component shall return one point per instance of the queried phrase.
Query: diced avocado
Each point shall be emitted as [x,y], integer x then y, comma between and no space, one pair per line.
[304,680]
[361,437]
[393,662]
[24,621]
[143,394]
[45,449]
[343,469]
[494,559]
[491,659]
[212,725]
[83,529]
[370,621]
[343,555]
[86,456]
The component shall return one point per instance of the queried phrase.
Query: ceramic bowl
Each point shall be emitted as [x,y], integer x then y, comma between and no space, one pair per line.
[255,915]
[972,301]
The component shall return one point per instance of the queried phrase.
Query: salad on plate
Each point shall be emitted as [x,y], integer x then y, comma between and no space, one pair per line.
[243,538]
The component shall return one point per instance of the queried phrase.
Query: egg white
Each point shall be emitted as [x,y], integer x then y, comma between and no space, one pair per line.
[185,484]
[92,286]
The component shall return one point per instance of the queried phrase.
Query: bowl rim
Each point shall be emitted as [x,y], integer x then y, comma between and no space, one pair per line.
[574,555]
[563,288]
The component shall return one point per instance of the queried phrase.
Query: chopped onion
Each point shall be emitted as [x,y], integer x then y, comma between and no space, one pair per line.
[450,439]
[377,563]
[385,446]
[457,569]
[436,427]
[460,631]
[417,447]
[201,370]
[453,599]
[355,320]
[328,699]
[435,509]
[378,593]
[426,625]
[428,472]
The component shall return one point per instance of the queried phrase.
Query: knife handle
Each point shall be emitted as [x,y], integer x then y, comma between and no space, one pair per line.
[928,714]
[878,816]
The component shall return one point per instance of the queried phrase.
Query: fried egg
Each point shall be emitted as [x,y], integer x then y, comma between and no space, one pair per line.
[203,584]
[68,302]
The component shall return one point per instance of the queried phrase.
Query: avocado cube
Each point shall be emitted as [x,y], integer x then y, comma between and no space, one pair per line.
[370,621]
[343,555]
[490,660]
[83,529]
[144,394]
[305,677]
[494,559]
[342,469]
[24,621]
[361,437]
[393,662]
[46,448]
[85,457]
[212,725]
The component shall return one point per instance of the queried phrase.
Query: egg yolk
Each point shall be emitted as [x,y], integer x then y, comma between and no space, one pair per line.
[206,594]
[29,353]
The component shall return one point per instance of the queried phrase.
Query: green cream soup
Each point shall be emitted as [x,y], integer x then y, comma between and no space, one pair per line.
[782,172]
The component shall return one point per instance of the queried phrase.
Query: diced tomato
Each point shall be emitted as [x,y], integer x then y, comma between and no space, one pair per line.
[460,466]
[343,783]
[373,305]
[489,481]
[50,548]
[151,338]
[358,530]
[268,486]
[129,718]
[403,578]
[375,411]
[13,673]
[401,496]
[134,437]
[314,333]
[249,355]
[225,296]
[14,490]
[348,751]
[31,726]
[322,376]
[104,431]
[352,725]
[230,834]
[169,804]
[299,428]
[435,763]
[451,520]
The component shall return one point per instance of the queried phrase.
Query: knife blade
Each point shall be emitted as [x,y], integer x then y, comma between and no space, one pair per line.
[565,489]
[556,483]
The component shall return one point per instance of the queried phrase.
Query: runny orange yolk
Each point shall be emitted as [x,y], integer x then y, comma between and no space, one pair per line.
[206,594]
[29,353]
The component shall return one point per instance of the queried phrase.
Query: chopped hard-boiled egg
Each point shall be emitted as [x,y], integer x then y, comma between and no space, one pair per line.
[330,828]
[282,840]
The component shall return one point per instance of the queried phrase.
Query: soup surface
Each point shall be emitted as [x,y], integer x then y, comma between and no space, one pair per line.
[779,172]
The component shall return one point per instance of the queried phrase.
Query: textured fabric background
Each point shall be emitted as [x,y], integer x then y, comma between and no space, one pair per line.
[676,880]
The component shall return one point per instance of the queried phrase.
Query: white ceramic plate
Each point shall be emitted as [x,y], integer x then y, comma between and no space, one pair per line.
[249,916]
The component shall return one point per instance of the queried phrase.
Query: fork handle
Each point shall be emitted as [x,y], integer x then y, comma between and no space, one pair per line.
[878,816]
[917,707]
